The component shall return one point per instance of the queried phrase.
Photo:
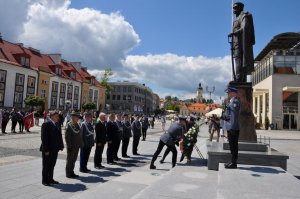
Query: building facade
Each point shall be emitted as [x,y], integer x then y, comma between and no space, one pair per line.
[130,97]
[276,83]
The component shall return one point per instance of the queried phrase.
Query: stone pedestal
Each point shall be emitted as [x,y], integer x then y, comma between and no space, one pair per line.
[247,119]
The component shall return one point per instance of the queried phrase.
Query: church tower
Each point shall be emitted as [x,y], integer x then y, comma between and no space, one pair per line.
[199,97]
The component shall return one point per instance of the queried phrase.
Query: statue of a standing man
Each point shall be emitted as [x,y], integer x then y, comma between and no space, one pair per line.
[243,39]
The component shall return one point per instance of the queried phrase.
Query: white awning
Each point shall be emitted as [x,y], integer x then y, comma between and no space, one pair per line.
[291,89]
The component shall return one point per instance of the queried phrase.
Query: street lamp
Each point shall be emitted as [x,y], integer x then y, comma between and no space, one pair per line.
[145,106]
[210,91]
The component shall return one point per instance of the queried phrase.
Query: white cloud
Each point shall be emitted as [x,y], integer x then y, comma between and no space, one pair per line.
[96,39]
[101,40]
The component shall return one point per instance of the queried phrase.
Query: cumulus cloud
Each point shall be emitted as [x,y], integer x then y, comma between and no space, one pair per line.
[176,75]
[87,35]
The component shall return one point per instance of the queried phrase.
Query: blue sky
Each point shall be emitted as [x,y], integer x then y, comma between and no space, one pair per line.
[170,45]
[197,27]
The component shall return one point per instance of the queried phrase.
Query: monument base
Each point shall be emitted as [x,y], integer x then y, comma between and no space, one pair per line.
[247,119]
[216,154]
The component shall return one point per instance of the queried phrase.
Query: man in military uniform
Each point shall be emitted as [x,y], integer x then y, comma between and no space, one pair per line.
[170,138]
[243,39]
[5,120]
[231,117]
[112,138]
[87,132]
[74,142]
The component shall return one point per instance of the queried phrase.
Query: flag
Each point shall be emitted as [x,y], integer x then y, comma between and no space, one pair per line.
[28,121]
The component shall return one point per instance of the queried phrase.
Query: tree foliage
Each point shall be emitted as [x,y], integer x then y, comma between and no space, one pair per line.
[106,75]
[173,107]
[89,106]
[168,98]
[34,101]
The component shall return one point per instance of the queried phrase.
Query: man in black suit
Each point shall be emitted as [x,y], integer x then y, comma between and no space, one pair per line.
[137,133]
[100,140]
[51,143]
[112,138]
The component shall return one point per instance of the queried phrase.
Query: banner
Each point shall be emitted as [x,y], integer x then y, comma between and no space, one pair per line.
[28,121]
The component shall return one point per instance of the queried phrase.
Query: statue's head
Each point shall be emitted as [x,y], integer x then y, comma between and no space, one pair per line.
[238,7]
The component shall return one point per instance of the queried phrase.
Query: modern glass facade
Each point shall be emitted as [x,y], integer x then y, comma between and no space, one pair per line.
[277,62]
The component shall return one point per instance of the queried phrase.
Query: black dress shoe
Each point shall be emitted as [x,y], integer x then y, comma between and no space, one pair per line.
[111,163]
[231,166]
[136,154]
[152,166]
[117,159]
[46,183]
[161,161]
[125,156]
[54,182]
[73,176]
[83,170]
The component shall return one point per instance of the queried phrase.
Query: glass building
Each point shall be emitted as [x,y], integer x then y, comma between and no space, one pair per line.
[276,82]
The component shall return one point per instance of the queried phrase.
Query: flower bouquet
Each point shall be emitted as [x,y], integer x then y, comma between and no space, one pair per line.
[189,140]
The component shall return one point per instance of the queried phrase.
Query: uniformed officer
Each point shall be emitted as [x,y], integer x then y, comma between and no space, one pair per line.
[231,123]
[74,142]
[136,128]
[112,138]
[170,138]
[126,135]
[119,136]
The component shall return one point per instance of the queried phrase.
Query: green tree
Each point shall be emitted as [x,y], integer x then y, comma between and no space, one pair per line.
[168,98]
[34,101]
[89,106]
[175,99]
[106,75]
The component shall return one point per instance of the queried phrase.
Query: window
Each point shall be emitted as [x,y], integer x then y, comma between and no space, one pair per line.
[108,96]
[73,75]
[43,93]
[76,90]
[58,71]
[62,88]
[129,89]
[70,91]
[118,89]
[125,89]
[31,81]
[27,62]
[2,76]
[1,96]
[93,81]
[20,79]
[114,97]
[53,101]
[61,101]
[129,98]
[44,82]
[118,97]
[54,86]
[124,97]
[22,61]
[95,96]
[18,98]
[90,95]
[75,103]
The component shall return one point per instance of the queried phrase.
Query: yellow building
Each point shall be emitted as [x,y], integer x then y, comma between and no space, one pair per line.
[43,85]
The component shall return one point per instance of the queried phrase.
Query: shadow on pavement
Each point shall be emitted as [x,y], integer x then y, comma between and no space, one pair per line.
[195,162]
[104,173]
[70,187]
[91,179]
[262,170]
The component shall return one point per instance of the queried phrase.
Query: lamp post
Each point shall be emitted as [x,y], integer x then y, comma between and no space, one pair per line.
[210,91]
[145,106]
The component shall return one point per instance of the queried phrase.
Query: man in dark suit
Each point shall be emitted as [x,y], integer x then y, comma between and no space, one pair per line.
[119,136]
[100,140]
[126,135]
[112,138]
[136,128]
[52,142]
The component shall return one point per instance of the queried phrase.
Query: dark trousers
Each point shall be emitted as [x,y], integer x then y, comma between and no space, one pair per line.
[13,126]
[71,159]
[233,138]
[84,157]
[135,144]
[125,142]
[144,132]
[159,149]
[21,126]
[4,124]
[110,152]
[98,155]
[49,162]
[116,148]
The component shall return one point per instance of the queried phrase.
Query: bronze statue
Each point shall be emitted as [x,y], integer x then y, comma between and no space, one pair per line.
[242,41]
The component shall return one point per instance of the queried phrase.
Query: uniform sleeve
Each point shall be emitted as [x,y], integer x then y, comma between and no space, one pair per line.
[97,131]
[83,131]
[68,135]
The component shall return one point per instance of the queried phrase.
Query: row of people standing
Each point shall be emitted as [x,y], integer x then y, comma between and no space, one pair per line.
[16,117]
[83,136]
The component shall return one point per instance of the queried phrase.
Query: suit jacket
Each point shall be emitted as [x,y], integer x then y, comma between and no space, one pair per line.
[232,114]
[136,128]
[51,137]
[112,131]
[126,129]
[101,133]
